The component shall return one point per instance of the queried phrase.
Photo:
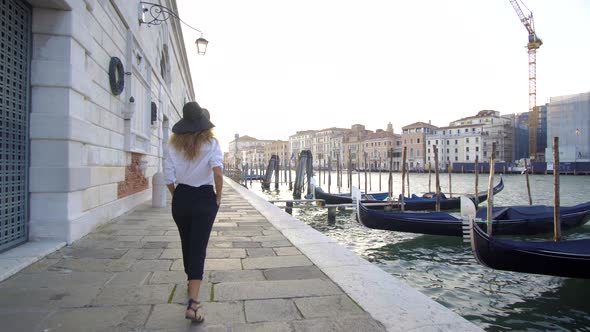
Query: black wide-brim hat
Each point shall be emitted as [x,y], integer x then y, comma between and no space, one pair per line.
[194,119]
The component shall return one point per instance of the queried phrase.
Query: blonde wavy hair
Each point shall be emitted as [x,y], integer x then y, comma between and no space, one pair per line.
[190,144]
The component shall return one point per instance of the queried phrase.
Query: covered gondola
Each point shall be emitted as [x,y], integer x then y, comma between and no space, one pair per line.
[524,220]
[566,258]
[345,198]
[428,203]
[414,203]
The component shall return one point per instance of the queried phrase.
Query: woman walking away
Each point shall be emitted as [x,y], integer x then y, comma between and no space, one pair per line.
[193,173]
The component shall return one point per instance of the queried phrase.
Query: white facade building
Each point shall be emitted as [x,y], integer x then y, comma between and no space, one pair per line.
[455,144]
[322,146]
[301,140]
[87,123]
[495,129]
[249,150]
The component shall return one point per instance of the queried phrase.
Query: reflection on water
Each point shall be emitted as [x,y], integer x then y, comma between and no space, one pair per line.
[444,269]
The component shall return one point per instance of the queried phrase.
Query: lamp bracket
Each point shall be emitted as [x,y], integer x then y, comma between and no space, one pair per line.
[156,14]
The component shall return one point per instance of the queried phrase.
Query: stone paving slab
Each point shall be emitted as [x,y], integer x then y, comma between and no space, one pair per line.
[273,289]
[265,271]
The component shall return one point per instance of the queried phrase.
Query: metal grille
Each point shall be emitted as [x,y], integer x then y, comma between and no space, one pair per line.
[15,41]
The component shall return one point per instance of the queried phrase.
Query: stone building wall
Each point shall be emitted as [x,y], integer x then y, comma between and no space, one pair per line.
[93,152]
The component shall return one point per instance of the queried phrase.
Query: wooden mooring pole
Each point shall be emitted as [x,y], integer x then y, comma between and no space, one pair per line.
[408,181]
[338,172]
[403,179]
[528,185]
[358,169]
[450,184]
[289,207]
[436,178]
[556,216]
[290,182]
[331,215]
[349,170]
[277,169]
[429,178]
[476,196]
[329,173]
[390,182]
[380,173]
[491,191]
[365,155]
[370,177]
[325,169]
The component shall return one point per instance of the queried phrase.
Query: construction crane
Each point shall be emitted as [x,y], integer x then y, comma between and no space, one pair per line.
[534,42]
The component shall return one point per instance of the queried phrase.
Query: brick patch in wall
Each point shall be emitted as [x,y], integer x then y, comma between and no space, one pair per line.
[134,179]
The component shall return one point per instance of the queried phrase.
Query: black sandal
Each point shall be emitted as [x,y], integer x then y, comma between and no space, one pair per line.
[196,317]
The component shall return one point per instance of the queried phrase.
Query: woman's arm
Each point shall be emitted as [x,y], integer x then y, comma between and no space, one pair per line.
[218,179]
[170,188]
[169,172]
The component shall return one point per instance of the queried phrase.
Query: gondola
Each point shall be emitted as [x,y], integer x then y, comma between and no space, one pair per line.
[566,258]
[414,203]
[534,219]
[428,203]
[522,220]
[345,198]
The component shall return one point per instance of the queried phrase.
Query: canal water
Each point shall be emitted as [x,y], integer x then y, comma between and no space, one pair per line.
[443,267]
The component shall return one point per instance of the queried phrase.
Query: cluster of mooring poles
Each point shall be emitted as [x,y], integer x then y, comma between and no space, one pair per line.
[304,183]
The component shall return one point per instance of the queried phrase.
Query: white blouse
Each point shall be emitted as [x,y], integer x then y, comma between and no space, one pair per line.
[197,172]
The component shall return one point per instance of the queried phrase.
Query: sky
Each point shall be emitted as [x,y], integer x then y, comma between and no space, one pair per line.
[275,67]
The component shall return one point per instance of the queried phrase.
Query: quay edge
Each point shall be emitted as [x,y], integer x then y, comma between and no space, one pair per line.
[387,299]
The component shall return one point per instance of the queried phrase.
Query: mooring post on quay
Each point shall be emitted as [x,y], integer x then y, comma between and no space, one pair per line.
[158,190]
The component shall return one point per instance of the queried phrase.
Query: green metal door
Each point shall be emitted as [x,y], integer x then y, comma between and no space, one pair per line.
[15,49]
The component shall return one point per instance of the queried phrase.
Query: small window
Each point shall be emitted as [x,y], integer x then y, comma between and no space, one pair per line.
[456,142]
[418,140]
[456,158]
[467,157]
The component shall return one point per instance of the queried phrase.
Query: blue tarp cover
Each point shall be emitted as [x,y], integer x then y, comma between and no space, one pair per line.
[434,216]
[519,212]
[415,197]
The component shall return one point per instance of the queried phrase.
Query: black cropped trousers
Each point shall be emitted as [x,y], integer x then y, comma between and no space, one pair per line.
[194,210]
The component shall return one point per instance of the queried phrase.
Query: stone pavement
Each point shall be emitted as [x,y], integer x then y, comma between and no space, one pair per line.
[127,276]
